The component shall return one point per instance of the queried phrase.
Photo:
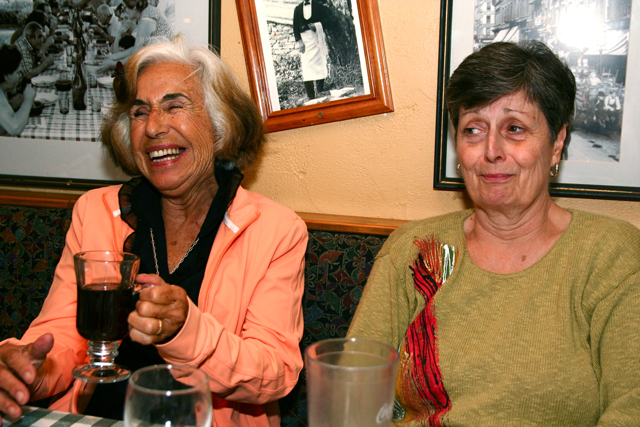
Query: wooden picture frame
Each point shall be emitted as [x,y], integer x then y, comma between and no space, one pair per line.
[584,173]
[45,161]
[263,85]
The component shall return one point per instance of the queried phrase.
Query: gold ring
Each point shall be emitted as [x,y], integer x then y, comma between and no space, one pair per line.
[160,327]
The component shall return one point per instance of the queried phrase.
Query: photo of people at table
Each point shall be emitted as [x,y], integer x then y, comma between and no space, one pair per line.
[59,59]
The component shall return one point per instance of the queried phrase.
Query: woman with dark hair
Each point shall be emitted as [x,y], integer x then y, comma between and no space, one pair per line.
[518,311]
[13,122]
[225,266]
[150,24]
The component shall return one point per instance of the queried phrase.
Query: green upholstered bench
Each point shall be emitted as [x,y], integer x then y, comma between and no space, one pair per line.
[338,262]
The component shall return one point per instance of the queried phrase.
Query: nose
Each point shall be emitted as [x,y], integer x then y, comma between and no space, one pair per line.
[494,148]
[156,125]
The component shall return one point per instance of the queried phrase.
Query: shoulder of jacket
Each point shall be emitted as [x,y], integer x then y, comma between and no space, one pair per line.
[266,206]
[95,198]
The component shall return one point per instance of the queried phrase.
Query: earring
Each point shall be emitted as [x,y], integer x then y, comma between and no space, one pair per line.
[554,170]
[458,170]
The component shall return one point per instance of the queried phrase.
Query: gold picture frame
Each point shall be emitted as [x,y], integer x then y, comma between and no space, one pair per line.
[376,100]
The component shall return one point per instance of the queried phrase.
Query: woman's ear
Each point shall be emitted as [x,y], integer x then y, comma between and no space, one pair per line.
[558,145]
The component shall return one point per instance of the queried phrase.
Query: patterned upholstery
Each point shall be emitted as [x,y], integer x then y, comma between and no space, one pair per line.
[31,242]
[337,267]
[336,270]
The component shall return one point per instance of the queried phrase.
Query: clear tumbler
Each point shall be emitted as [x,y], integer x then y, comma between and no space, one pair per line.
[350,383]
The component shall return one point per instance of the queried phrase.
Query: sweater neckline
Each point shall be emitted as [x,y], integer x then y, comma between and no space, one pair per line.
[562,240]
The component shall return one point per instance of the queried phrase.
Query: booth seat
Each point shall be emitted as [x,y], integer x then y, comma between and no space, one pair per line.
[339,258]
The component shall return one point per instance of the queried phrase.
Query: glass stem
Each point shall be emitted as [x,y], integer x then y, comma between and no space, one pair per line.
[102,353]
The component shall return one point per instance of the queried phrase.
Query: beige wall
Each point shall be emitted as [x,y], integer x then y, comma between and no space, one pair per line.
[379,166]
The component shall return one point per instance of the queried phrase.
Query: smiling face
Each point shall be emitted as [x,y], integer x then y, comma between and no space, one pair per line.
[505,153]
[172,137]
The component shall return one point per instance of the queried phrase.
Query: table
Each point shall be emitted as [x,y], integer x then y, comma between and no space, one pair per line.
[39,417]
[76,125]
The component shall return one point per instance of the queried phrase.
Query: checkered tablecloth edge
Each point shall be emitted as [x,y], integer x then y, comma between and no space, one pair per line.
[39,417]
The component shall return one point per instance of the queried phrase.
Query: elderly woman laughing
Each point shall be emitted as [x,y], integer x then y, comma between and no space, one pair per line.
[517,312]
[226,264]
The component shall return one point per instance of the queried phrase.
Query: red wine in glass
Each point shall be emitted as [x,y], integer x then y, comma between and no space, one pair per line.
[103,309]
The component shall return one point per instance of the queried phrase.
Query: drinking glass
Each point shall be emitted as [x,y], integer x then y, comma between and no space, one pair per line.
[105,281]
[63,102]
[350,383]
[169,396]
[96,105]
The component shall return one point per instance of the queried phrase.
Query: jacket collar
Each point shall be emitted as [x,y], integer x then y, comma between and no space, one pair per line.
[241,213]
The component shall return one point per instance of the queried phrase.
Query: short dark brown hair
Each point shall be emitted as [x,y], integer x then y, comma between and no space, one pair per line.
[236,120]
[501,69]
[11,58]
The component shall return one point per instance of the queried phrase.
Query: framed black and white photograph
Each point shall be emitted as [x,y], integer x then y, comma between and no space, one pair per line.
[600,41]
[314,61]
[60,144]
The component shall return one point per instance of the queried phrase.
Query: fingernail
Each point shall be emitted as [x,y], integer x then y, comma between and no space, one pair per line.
[20,398]
[28,377]
[15,412]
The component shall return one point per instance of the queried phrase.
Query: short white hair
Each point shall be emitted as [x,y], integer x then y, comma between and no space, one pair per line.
[235,118]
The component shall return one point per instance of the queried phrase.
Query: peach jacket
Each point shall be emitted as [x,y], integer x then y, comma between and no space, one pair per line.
[244,332]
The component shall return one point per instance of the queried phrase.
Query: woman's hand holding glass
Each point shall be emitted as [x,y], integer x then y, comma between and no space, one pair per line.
[160,312]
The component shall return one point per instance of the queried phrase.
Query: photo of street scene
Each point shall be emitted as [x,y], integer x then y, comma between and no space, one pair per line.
[592,36]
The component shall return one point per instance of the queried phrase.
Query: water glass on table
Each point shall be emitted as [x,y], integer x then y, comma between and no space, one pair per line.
[350,383]
[168,395]
[63,102]
[105,281]
[96,104]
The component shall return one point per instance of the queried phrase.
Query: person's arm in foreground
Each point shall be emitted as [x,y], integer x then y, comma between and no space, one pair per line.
[15,122]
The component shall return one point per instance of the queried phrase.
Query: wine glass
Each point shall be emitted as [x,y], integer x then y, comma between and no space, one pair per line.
[105,281]
[169,396]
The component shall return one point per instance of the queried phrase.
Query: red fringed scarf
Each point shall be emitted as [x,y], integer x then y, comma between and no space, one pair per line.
[421,393]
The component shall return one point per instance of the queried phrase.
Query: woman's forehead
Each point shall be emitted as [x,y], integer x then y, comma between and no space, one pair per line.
[518,102]
[168,77]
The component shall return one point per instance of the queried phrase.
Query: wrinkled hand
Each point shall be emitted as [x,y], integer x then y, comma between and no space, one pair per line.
[160,313]
[301,46]
[19,366]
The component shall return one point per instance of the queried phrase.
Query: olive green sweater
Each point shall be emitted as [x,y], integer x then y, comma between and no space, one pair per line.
[557,344]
